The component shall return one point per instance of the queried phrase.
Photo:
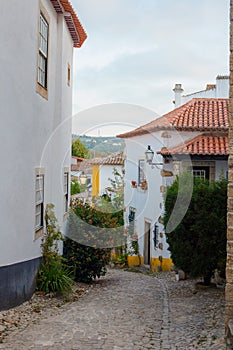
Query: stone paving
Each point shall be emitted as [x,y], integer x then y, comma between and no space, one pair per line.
[128,310]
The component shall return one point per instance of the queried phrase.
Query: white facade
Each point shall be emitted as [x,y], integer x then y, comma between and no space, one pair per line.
[146,206]
[105,174]
[35,130]
[218,90]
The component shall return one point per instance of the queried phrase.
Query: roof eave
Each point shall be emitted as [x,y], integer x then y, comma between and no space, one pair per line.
[75,27]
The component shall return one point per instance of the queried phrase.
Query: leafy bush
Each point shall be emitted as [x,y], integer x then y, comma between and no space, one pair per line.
[198,243]
[88,262]
[91,234]
[54,275]
[74,187]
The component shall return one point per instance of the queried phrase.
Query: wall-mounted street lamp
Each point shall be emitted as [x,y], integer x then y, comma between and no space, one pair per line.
[83,179]
[150,155]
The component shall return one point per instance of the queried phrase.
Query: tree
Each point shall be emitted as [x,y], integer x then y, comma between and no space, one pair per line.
[79,150]
[198,243]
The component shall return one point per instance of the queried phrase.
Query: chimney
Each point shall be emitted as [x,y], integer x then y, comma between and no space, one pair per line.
[178,91]
[222,86]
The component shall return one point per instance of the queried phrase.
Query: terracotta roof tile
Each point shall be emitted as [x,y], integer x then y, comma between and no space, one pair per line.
[214,145]
[199,114]
[210,86]
[75,27]
[114,159]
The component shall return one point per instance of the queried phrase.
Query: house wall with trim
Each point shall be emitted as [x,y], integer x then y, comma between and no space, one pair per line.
[36,133]
[148,204]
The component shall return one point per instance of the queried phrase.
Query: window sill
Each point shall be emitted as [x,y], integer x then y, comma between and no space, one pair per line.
[42,91]
[39,233]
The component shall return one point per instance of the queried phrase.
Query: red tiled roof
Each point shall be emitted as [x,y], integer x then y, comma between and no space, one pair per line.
[75,27]
[214,145]
[199,114]
[79,159]
[210,86]
[114,159]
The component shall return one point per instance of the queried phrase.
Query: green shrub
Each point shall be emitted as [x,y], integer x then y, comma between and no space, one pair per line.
[74,187]
[88,262]
[54,275]
[91,234]
[198,243]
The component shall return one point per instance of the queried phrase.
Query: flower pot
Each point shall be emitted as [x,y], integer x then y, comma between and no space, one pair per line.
[144,185]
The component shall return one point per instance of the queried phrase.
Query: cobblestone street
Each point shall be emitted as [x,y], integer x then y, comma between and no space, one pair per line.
[128,310]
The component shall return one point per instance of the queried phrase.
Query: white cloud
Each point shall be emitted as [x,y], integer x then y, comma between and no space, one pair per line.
[137,50]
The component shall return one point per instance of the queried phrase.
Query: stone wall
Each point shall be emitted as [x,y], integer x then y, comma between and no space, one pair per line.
[229,264]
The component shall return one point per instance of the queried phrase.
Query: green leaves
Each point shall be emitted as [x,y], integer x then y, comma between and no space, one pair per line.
[198,243]
[79,150]
[54,275]
[91,234]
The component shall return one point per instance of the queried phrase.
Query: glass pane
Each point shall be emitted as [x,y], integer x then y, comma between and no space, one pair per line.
[38,220]
[38,209]
[41,70]
[141,175]
[65,183]
[43,35]
[39,197]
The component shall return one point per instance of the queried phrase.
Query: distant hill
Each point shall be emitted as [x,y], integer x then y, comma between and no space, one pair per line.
[101,144]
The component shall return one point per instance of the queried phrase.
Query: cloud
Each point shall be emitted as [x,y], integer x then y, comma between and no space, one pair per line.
[137,50]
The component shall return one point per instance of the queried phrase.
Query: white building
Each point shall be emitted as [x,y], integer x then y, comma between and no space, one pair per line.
[37,39]
[218,90]
[194,136]
[103,171]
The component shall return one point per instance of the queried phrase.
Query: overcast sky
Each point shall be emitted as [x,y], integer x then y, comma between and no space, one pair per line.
[135,53]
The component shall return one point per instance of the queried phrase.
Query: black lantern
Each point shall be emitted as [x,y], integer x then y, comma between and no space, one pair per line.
[149,154]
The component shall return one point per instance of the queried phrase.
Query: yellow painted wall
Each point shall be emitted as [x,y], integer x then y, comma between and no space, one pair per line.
[164,265]
[95,180]
[134,260]
[155,263]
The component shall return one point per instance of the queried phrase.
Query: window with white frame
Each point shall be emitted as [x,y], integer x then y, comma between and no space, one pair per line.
[66,191]
[141,171]
[39,205]
[43,51]
[201,172]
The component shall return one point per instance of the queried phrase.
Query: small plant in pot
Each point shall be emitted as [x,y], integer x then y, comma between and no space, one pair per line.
[144,185]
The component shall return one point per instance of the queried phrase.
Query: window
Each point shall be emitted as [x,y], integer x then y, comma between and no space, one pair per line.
[39,210]
[131,218]
[43,52]
[66,191]
[141,172]
[68,75]
[201,172]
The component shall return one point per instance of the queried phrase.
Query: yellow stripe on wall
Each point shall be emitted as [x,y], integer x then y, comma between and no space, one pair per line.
[95,180]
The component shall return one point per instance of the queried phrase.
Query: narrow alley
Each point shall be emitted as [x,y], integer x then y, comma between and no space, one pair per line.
[128,310]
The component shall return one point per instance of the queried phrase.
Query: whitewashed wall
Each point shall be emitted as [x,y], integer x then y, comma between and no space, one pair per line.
[31,133]
[106,173]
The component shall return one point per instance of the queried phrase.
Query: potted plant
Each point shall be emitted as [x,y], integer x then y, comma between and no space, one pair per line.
[134,183]
[144,185]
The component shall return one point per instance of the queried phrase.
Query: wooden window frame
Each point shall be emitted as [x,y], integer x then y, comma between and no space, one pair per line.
[40,88]
[141,171]
[66,191]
